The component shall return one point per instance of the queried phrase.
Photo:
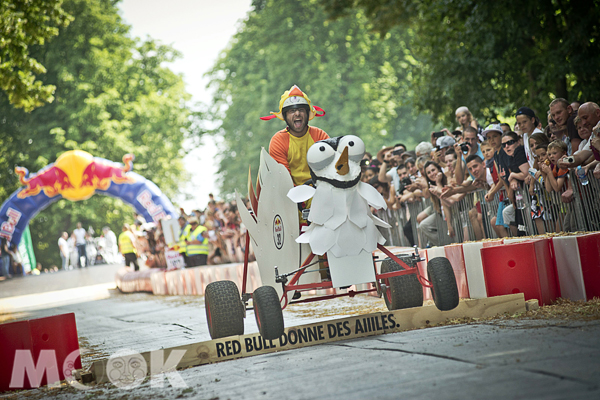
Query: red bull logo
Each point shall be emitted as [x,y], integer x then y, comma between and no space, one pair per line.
[52,180]
[100,175]
[278,232]
[75,175]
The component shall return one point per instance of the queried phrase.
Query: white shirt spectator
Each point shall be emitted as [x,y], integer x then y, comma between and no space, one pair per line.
[63,246]
[79,236]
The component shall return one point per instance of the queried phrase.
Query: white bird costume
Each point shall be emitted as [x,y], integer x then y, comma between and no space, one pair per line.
[341,222]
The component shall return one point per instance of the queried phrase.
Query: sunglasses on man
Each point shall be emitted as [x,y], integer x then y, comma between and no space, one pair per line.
[510,142]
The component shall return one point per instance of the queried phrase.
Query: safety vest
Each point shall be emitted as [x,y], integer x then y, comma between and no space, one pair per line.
[126,244]
[184,234]
[196,249]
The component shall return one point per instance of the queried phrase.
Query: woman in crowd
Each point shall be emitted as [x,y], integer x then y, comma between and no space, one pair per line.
[429,227]
[516,172]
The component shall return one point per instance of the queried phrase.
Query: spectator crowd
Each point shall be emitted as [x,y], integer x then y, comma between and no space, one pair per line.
[530,164]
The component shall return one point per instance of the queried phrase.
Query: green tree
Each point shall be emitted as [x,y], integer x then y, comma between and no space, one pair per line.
[492,56]
[114,95]
[358,77]
[23,26]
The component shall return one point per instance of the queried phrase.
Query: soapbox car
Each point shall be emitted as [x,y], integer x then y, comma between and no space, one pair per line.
[289,269]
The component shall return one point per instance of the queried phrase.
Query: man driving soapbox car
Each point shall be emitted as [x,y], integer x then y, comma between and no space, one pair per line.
[342,233]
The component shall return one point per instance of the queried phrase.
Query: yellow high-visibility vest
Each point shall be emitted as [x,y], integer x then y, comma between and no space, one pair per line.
[126,244]
[184,234]
[195,249]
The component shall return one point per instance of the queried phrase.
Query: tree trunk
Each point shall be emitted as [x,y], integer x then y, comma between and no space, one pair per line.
[561,87]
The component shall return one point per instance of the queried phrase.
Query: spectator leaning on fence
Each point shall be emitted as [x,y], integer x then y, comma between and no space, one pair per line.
[481,179]
[516,172]
[468,146]
[428,227]
[391,157]
[589,113]
[586,134]
[527,122]
[563,114]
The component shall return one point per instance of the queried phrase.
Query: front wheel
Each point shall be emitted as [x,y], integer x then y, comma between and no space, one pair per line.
[224,309]
[268,313]
[444,291]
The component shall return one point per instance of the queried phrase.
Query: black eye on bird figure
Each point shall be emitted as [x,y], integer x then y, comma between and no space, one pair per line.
[356,147]
[318,157]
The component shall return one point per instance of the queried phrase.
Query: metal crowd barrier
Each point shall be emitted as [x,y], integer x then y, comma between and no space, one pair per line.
[548,214]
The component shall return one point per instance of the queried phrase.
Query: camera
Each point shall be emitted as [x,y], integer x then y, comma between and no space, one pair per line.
[570,159]
[398,152]
[438,134]
[406,181]
[464,147]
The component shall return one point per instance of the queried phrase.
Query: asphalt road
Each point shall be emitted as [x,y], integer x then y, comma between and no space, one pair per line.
[522,359]
[46,282]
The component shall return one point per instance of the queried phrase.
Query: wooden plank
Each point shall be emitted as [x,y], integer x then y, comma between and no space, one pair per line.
[232,347]
[421,317]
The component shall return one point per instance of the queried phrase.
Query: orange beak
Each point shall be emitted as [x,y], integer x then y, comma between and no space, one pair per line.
[341,166]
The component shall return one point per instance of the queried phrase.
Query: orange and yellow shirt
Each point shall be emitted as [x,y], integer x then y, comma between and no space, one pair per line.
[290,151]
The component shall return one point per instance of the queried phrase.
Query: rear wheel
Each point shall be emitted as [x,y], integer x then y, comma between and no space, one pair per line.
[403,291]
[444,290]
[224,309]
[268,313]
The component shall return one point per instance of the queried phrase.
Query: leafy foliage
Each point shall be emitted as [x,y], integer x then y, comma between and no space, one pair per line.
[359,78]
[114,95]
[492,56]
[24,24]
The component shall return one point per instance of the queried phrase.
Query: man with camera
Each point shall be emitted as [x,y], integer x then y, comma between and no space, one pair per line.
[481,178]
[468,146]
[589,113]
[392,157]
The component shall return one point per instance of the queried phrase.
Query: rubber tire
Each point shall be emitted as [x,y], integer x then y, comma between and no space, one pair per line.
[403,291]
[444,290]
[268,313]
[224,309]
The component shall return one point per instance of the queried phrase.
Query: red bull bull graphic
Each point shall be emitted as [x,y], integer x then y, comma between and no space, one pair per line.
[77,175]
[52,180]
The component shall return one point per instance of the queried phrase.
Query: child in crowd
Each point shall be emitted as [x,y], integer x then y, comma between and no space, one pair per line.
[559,133]
[555,177]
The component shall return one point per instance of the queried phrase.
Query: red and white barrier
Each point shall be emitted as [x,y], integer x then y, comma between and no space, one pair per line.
[543,269]
[51,343]
[526,267]
[578,262]
[189,281]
